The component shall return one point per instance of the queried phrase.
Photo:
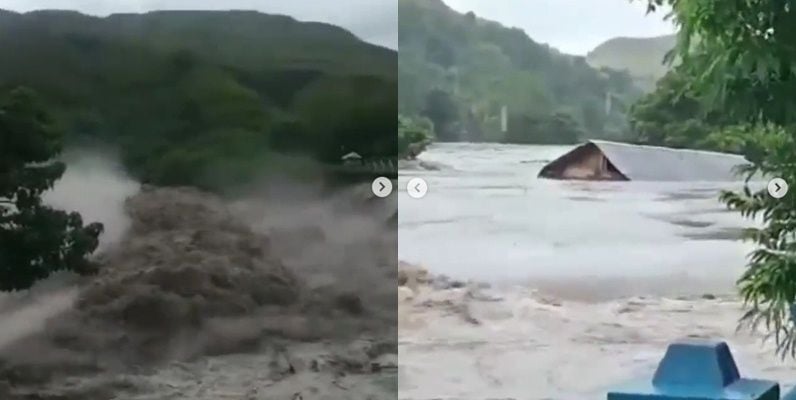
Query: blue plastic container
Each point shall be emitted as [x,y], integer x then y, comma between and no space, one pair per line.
[698,370]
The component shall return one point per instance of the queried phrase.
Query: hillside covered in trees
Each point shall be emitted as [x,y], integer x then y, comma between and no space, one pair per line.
[459,71]
[643,58]
[204,97]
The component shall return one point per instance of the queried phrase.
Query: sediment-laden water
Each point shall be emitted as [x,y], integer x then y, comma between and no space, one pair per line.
[200,297]
[589,281]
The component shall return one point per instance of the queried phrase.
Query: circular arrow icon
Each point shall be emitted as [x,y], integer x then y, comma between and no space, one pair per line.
[417,188]
[382,187]
[777,188]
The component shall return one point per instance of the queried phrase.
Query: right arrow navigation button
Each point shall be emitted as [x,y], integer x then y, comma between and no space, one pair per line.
[417,188]
[382,187]
[777,188]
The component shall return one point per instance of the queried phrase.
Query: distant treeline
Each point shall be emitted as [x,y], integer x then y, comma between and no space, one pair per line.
[204,98]
[459,71]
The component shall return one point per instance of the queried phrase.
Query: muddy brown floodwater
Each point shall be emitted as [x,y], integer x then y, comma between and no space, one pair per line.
[204,298]
[579,286]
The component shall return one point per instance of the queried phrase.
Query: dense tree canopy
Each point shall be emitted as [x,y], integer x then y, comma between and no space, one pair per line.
[35,240]
[673,116]
[190,101]
[739,60]
[460,71]
[413,136]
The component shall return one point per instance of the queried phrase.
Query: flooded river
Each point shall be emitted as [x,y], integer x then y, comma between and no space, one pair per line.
[590,280]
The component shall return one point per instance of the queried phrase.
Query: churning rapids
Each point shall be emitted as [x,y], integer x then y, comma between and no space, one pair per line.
[203,298]
[581,285]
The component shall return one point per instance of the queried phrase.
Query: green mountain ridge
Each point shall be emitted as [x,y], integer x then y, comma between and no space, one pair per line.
[258,38]
[459,71]
[643,58]
[198,97]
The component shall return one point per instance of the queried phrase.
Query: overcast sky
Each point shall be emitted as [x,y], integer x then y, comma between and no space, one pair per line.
[373,20]
[572,26]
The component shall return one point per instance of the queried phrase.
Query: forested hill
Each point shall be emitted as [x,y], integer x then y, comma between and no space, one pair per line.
[643,58]
[198,97]
[459,70]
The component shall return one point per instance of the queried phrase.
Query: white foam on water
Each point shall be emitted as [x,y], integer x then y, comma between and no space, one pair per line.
[166,239]
[95,186]
[589,274]
[24,316]
[532,346]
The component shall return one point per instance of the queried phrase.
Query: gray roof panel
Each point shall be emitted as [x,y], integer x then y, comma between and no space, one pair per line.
[650,163]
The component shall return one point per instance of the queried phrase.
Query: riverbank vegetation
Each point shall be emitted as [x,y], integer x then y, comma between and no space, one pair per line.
[35,239]
[414,135]
[204,98]
[674,115]
[460,71]
[738,79]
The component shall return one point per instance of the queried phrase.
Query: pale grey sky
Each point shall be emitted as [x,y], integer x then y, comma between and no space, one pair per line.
[572,26]
[373,20]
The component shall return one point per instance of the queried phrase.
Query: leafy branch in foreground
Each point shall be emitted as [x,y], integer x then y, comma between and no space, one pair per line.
[740,60]
[768,286]
[35,240]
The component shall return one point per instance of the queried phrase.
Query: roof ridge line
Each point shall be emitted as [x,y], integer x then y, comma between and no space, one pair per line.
[597,142]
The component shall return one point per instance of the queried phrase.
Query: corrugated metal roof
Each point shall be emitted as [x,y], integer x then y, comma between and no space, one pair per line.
[651,163]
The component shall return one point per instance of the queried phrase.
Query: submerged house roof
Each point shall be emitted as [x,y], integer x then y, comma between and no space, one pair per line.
[351,156]
[651,163]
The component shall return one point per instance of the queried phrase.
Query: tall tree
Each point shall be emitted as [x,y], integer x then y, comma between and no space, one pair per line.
[444,113]
[672,116]
[35,240]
